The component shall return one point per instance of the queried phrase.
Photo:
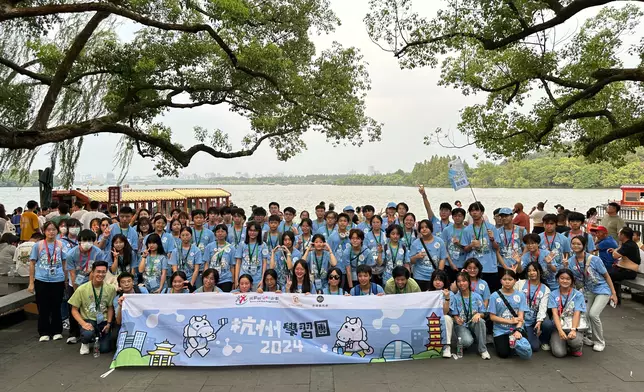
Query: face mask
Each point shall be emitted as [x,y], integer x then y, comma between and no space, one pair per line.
[63,230]
[86,246]
[74,230]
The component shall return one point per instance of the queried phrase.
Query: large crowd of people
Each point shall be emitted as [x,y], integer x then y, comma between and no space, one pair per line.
[522,281]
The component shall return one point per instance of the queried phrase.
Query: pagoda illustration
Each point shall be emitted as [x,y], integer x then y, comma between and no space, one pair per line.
[162,355]
[434,330]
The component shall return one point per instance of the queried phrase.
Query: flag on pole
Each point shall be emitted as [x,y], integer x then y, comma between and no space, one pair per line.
[457,175]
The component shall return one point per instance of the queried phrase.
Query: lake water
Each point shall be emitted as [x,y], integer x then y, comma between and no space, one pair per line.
[308,196]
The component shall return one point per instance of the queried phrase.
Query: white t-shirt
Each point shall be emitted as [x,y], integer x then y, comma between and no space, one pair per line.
[21,258]
[537,216]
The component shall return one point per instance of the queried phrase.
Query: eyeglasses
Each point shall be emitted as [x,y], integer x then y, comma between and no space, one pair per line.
[334,277]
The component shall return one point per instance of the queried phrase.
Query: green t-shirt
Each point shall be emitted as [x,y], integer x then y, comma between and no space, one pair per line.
[85,301]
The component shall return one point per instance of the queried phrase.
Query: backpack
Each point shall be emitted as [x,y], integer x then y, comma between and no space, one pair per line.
[357,292]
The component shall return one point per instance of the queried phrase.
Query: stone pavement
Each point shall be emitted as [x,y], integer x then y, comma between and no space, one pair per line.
[27,365]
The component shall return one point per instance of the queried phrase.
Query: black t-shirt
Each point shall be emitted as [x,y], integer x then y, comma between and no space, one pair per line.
[562,229]
[630,250]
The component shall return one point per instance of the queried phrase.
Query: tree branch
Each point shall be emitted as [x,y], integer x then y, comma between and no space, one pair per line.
[560,17]
[594,113]
[22,70]
[636,128]
[58,81]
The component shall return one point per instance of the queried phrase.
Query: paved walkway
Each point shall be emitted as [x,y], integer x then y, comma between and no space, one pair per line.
[27,365]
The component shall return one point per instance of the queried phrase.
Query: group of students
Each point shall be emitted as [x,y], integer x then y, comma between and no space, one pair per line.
[476,265]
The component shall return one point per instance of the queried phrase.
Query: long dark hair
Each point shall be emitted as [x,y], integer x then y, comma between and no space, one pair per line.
[156,239]
[306,279]
[257,228]
[127,250]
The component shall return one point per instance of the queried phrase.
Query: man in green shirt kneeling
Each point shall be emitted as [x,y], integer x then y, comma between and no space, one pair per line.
[400,282]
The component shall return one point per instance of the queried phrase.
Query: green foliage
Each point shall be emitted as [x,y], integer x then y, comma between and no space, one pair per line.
[572,89]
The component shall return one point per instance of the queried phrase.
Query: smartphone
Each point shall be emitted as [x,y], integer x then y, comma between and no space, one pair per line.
[613,304]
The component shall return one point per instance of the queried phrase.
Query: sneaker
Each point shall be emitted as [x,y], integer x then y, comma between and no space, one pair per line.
[588,342]
[447,352]
[72,340]
[44,338]
[599,347]
[576,353]
[58,336]
[84,350]
[485,355]
[66,324]
[545,347]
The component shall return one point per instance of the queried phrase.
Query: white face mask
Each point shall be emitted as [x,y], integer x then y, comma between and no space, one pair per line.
[86,246]
[63,230]
[74,230]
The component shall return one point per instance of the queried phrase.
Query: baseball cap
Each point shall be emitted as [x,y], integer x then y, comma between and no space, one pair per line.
[348,208]
[505,211]
[391,204]
[598,228]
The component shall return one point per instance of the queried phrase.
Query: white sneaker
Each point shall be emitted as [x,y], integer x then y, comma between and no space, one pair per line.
[44,338]
[84,350]
[58,336]
[588,342]
[485,355]
[447,352]
[599,347]
[545,347]
[72,340]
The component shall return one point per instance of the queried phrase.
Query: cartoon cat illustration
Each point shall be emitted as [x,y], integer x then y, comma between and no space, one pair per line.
[352,338]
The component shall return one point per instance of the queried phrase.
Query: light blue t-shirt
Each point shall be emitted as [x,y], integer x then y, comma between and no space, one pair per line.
[375,289]
[408,238]
[511,241]
[557,244]
[392,258]
[456,252]
[485,253]
[271,240]
[353,260]
[364,226]
[339,243]
[533,299]
[49,261]
[317,225]
[497,307]
[326,291]
[130,233]
[281,267]
[439,226]
[424,268]
[465,308]
[326,232]
[166,240]
[202,238]
[589,274]
[567,305]
[82,262]
[185,260]
[68,244]
[319,267]
[286,227]
[154,267]
[299,289]
[253,259]
[481,288]
[303,243]
[373,239]
[220,258]
[548,275]
[235,236]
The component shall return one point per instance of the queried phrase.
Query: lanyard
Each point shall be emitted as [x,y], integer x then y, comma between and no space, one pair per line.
[550,244]
[535,259]
[251,253]
[318,263]
[127,232]
[220,254]
[533,300]
[184,260]
[351,257]
[198,238]
[378,239]
[97,301]
[237,239]
[270,241]
[466,310]
[89,257]
[505,238]
[460,235]
[562,307]
[408,238]
[582,271]
[474,286]
[394,255]
[478,236]
[327,231]
[49,255]
[305,243]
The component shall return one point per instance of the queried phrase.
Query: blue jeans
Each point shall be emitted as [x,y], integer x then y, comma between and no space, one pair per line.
[89,336]
[547,326]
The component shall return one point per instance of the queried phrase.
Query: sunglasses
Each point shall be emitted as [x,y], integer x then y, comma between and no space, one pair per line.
[334,277]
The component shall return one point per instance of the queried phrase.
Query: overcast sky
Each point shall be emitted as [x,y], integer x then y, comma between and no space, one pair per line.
[409,103]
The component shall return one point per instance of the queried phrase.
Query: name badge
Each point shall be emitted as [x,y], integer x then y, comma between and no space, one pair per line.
[99,317]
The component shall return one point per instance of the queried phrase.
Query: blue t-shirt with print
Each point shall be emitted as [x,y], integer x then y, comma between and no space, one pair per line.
[511,241]
[286,227]
[548,275]
[534,294]
[557,244]
[353,259]
[485,253]
[82,262]
[186,259]
[456,252]
[202,238]
[464,307]
[408,238]
[567,305]
[372,240]
[281,267]
[424,268]
[221,258]
[497,307]
[589,274]
[130,233]
[253,258]
[154,267]
[481,288]
[339,243]
[166,240]
[319,267]
[393,257]
[317,225]
[271,240]
[326,232]
[439,226]
[235,236]
[115,303]
[49,261]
